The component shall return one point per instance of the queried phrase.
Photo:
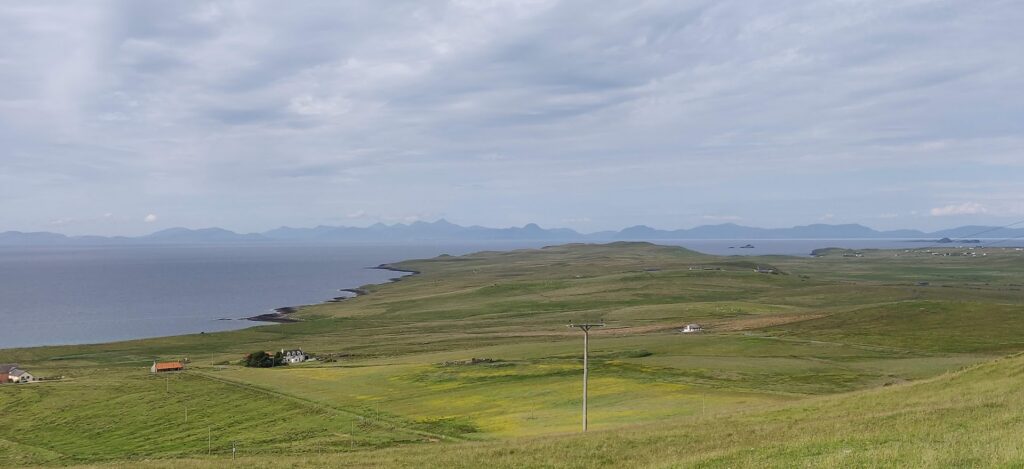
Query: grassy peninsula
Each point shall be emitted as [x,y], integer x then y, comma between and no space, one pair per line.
[865,359]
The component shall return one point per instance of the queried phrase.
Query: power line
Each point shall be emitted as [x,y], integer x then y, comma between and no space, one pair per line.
[995,229]
[986,230]
[998,241]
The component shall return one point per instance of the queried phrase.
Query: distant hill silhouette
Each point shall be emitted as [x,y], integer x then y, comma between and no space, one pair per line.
[442,230]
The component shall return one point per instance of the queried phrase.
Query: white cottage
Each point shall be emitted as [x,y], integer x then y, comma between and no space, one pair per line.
[690,328]
[21,376]
[10,373]
[293,356]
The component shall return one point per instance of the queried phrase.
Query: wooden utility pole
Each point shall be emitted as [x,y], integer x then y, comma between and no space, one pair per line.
[585,327]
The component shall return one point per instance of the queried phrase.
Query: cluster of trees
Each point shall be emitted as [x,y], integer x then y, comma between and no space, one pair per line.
[262,359]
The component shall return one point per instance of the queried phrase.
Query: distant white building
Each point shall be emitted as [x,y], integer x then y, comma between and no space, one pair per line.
[10,373]
[21,376]
[690,328]
[294,356]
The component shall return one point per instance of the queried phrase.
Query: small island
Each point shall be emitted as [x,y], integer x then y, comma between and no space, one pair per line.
[946,240]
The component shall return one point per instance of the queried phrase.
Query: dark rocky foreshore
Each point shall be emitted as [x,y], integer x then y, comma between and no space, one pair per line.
[280,315]
[396,269]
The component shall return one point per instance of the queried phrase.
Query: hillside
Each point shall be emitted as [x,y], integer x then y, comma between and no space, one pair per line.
[970,418]
[807,365]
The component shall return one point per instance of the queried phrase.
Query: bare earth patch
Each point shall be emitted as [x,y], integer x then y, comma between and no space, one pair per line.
[760,322]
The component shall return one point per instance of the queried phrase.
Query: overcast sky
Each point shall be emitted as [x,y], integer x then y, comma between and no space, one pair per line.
[128,117]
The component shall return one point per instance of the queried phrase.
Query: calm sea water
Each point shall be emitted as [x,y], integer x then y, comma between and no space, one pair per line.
[70,295]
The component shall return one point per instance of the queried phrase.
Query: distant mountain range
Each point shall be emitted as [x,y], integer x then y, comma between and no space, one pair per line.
[442,230]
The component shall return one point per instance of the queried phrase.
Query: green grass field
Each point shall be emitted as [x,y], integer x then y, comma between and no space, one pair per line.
[969,418]
[836,361]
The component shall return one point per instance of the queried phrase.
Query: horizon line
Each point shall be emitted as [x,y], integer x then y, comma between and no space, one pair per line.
[514,227]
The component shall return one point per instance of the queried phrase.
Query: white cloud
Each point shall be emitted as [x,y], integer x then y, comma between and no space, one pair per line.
[307,105]
[493,110]
[966,208]
[149,218]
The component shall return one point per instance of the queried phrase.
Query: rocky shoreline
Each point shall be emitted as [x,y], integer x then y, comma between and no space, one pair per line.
[280,315]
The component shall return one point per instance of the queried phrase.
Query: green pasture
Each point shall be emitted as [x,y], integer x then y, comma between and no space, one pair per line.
[808,366]
[126,414]
[970,418]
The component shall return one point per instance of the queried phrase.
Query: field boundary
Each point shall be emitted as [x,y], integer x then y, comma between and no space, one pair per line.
[376,420]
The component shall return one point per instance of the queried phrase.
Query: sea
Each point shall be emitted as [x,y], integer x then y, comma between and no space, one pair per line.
[73,295]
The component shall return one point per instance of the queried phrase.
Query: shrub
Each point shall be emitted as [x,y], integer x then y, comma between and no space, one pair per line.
[262,359]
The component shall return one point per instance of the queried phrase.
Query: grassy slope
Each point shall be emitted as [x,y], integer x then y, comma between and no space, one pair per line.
[118,413]
[832,324]
[968,418]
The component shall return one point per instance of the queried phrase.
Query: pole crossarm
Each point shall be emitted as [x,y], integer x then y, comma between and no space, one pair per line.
[586,325]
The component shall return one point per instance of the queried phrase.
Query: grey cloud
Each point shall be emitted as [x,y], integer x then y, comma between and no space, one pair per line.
[648,107]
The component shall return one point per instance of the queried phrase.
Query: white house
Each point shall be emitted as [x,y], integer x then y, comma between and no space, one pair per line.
[21,376]
[10,373]
[294,356]
[689,328]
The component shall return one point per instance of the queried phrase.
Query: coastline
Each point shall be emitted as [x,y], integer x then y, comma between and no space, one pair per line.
[281,315]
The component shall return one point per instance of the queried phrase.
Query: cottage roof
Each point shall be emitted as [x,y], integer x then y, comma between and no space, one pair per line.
[168,366]
[7,367]
[17,373]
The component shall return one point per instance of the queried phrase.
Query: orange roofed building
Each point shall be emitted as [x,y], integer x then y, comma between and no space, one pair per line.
[160,367]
